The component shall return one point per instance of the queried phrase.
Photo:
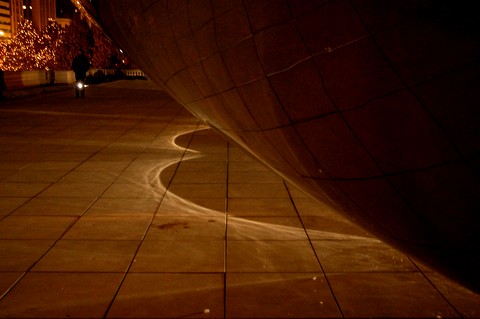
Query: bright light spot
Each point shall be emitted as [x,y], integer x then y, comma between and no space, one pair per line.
[80,85]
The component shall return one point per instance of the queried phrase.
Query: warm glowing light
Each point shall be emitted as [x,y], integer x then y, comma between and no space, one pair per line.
[30,49]
[51,48]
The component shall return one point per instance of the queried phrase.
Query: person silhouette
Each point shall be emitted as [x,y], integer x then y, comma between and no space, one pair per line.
[80,66]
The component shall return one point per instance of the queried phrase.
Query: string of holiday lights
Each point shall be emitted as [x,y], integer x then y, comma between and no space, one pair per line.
[31,50]
[54,47]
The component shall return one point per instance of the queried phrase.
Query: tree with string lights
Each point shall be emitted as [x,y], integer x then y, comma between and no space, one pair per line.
[22,51]
[77,36]
[54,47]
[52,39]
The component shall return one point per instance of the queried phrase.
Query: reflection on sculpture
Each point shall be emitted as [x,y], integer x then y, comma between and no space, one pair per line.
[369,106]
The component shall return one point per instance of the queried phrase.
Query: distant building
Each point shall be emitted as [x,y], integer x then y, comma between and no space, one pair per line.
[10,15]
[42,11]
[65,12]
[13,11]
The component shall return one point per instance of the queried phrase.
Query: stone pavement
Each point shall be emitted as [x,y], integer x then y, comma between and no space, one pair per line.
[123,205]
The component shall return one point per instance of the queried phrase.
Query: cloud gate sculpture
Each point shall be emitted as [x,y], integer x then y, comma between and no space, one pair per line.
[370,106]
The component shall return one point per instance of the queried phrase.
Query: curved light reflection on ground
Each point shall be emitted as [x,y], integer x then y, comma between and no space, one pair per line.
[367,106]
[245,229]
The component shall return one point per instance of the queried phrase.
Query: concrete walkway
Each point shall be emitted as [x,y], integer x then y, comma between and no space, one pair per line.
[123,205]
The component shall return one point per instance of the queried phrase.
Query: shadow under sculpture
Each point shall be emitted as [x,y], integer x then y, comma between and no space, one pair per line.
[369,106]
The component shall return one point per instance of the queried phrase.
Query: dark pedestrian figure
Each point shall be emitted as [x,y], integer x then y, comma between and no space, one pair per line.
[80,66]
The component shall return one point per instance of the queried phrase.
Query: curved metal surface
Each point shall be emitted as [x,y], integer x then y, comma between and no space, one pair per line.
[369,106]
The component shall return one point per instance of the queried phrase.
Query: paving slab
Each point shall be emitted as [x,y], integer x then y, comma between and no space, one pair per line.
[124,205]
